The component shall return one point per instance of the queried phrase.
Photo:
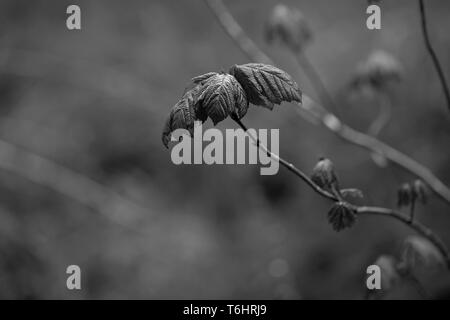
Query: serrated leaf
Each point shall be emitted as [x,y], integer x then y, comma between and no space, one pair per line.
[341,216]
[266,85]
[222,96]
[202,78]
[183,115]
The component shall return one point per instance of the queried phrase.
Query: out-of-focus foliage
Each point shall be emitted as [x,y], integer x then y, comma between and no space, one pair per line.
[95,101]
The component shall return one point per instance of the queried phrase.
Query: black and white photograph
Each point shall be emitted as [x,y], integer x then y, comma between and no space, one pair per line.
[224,150]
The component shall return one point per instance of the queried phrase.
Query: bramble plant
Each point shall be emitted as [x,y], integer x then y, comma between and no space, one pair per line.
[221,95]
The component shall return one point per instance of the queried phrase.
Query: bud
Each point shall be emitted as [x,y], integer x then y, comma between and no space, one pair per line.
[389,273]
[419,252]
[404,195]
[342,215]
[323,174]
[289,27]
[378,70]
[419,191]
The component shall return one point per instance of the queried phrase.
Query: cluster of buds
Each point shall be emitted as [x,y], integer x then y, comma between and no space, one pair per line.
[289,27]
[342,214]
[409,193]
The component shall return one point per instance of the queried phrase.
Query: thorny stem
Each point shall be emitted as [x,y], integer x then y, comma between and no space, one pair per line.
[417,226]
[433,54]
[318,115]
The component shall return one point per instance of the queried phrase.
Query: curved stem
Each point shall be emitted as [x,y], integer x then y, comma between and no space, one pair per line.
[287,164]
[433,54]
[332,123]
[383,117]
[61,179]
[417,226]
[234,30]
[317,114]
[317,82]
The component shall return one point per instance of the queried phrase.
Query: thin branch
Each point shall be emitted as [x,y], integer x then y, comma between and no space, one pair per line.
[415,225]
[332,123]
[86,191]
[288,165]
[318,115]
[319,86]
[433,54]
[383,116]
[234,30]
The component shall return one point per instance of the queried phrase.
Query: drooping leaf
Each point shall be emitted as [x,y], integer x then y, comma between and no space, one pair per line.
[341,216]
[222,96]
[183,115]
[266,85]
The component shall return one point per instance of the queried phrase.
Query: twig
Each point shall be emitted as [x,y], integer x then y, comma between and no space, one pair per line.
[234,30]
[415,225]
[433,54]
[317,82]
[45,172]
[383,117]
[317,113]
[332,123]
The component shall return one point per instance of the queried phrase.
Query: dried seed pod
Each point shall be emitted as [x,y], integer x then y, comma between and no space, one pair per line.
[404,195]
[289,27]
[342,215]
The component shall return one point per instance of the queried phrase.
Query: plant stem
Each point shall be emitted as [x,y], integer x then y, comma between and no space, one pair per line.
[40,170]
[234,30]
[317,82]
[433,54]
[417,226]
[411,212]
[287,165]
[383,117]
[317,114]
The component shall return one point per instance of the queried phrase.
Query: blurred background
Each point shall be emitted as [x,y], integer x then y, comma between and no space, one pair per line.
[86,180]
